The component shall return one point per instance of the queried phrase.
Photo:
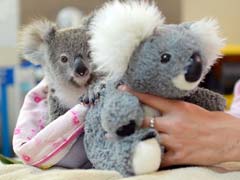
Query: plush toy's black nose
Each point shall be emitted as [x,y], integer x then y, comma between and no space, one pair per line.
[80,68]
[127,130]
[194,70]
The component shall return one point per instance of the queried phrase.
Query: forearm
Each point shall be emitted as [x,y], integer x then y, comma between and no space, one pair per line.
[231,133]
[230,158]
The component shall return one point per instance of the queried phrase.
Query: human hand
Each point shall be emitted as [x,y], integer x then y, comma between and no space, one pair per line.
[191,134]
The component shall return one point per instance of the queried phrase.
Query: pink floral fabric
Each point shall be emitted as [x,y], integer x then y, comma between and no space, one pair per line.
[44,145]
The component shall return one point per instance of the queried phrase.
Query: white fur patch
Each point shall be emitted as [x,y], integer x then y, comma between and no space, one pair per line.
[208,32]
[182,84]
[147,157]
[68,94]
[32,45]
[117,29]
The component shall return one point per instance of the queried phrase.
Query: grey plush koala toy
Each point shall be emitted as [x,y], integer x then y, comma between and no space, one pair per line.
[139,50]
[65,57]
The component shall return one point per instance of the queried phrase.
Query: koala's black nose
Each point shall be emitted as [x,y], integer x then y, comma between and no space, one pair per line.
[127,130]
[194,70]
[80,68]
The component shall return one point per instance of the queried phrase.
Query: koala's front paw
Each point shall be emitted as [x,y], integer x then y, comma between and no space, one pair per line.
[91,95]
[147,155]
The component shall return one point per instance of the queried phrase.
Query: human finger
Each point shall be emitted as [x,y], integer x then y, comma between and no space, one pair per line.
[159,103]
[159,123]
[169,159]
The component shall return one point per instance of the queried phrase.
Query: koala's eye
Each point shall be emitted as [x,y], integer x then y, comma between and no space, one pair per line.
[165,58]
[64,59]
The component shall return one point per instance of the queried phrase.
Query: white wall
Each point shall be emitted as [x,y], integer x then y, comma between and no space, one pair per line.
[9,22]
[8,56]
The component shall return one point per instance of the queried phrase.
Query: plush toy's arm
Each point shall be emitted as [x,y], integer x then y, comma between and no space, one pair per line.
[207,99]
[122,113]
[138,153]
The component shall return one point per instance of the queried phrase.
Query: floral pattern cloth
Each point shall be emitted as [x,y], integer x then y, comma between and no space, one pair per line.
[43,145]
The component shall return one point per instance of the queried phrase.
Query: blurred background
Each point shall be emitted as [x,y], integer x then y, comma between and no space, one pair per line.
[17,76]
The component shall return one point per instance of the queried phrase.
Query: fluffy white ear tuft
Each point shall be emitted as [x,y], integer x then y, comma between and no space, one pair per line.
[33,40]
[207,30]
[117,29]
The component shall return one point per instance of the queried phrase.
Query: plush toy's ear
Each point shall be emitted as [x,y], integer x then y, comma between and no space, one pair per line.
[117,29]
[207,30]
[34,40]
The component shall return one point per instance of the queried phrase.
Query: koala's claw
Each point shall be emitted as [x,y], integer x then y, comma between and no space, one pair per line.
[89,98]
[96,97]
[86,100]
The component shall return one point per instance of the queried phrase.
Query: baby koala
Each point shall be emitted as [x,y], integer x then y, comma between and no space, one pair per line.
[65,58]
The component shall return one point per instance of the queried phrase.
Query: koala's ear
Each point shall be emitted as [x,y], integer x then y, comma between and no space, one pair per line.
[34,40]
[207,31]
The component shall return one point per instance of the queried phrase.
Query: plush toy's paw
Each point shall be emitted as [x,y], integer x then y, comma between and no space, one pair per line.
[147,156]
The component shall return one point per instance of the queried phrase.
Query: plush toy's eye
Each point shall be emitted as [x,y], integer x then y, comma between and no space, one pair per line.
[165,58]
[64,59]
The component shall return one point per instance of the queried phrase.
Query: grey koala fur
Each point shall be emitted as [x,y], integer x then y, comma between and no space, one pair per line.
[65,58]
[170,51]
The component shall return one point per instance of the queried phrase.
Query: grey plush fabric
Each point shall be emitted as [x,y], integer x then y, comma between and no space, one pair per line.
[112,154]
[207,99]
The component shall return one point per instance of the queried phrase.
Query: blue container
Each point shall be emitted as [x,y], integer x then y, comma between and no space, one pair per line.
[6,79]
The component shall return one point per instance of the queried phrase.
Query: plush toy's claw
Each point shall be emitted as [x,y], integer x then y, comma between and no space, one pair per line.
[149,136]
[147,157]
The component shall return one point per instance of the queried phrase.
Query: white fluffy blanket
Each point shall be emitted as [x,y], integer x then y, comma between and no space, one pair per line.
[23,172]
